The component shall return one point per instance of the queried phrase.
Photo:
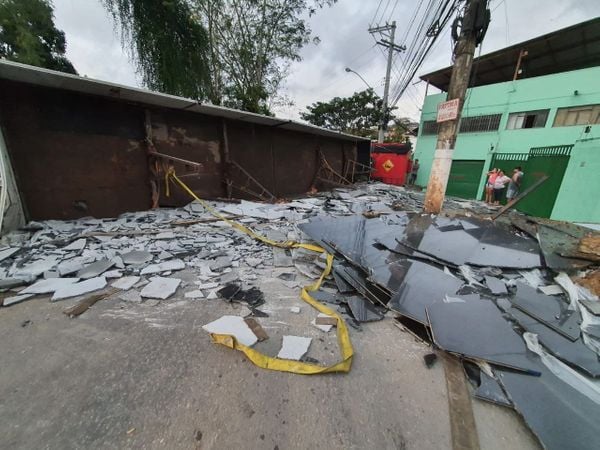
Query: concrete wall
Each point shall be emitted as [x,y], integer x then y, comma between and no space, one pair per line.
[579,196]
[79,155]
[551,91]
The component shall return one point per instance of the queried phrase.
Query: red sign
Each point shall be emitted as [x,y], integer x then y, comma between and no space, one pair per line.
[447,110]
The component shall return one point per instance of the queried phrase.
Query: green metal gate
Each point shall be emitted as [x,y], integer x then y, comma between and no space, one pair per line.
[464,178]
[540,161]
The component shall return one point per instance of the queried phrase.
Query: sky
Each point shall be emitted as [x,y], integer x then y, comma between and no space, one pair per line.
[94,46]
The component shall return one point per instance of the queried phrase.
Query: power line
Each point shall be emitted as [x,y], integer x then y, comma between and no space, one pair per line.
[376,12]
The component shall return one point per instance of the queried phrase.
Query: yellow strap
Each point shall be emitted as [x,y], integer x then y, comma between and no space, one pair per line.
[269,362]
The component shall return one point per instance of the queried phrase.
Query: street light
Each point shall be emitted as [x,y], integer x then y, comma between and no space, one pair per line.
[348,69]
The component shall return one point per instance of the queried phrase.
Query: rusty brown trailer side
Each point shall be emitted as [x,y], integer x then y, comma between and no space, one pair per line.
[76,154]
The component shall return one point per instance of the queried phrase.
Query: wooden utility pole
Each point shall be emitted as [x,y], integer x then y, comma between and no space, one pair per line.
[392,47]
[448,127]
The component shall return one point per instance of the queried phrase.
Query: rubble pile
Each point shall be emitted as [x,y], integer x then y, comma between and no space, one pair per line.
[500,295]
[492,294]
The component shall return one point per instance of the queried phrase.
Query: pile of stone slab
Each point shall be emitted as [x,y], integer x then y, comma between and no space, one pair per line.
[490,293]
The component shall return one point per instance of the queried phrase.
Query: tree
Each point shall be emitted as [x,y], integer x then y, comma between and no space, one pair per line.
[236,52]
[359,114]
[401,129]
[166,43]
[28,35]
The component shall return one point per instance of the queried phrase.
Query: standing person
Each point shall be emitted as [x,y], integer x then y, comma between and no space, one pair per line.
[413,172]
[515,183]
[499,185]
[489,186]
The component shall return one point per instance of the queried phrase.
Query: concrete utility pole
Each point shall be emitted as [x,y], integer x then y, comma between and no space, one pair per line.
[459,82]
[389,43]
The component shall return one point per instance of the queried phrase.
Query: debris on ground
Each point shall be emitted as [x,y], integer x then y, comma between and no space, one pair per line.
[477,289]
[294,347]
[459,281]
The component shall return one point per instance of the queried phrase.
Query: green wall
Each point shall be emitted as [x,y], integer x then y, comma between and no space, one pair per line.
[546,92]
[579,197]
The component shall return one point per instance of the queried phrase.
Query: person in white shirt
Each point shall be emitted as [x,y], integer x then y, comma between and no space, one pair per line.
[499,185]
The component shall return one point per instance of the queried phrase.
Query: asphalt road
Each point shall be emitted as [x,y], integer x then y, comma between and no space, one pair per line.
[134,376]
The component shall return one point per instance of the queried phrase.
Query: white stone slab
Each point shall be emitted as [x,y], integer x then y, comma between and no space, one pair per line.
[83,287]
[71,266]
[212,295]
[253,262]
[7,253]
[79,244]
[165,266]
[16,299]
[113,274]
[552,289]
[48,285]
[125,283]
[295,309]
[165,235]
[131,296]
[294,347]
[209,285]
[136,257]
[160,287]
[234,326]
[95,269]
[194,294]
[36,268]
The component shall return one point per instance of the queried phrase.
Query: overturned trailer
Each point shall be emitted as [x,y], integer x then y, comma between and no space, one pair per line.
[79,147]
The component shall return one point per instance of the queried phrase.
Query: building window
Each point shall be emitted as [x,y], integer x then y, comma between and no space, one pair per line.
[430,127]
[577,115]
[527,119]
[490,122]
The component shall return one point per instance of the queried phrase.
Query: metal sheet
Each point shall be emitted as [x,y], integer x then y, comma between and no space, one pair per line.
[475,328]
[551,310]
[559,415]
[576,354]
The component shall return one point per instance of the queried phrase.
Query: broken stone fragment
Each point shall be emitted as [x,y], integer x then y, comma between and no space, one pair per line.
[79,244]
[136,257]
[49,285]
[7,253]
[253,262]
[125,283]
[16,299]
[234,326]
[294,347]
[36,268]
[75,289]
[95,269]
[325,328]
[160,287]
[194,294]
[165,266]
[131,296]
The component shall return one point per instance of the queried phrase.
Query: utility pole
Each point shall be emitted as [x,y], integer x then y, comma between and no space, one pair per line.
[474,25]
[389,44]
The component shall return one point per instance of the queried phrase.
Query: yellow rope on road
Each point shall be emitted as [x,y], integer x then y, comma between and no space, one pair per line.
[258,358]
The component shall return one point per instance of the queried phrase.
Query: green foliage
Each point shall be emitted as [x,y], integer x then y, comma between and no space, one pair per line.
[359,114]
[167,43]
[28,35]
[231,52]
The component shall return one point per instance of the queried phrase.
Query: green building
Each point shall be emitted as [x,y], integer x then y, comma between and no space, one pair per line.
[536,105]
